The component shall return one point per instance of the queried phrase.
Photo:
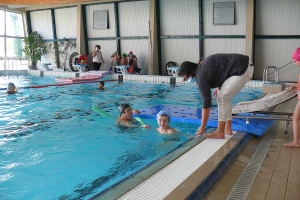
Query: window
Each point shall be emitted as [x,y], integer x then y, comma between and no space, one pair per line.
[14,24]
[100,19]
[14,47]
[2,52]
[11,41]
[2,22]
[224,13]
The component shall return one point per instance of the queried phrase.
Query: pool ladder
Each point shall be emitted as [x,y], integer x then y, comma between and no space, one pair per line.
[265,74]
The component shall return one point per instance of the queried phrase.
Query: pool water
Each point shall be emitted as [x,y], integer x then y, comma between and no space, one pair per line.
[25,81]
[54,146]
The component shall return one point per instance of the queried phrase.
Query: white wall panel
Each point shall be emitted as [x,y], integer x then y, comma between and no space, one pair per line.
[179,50]
[140,49]
[133,18]
[232,45]
[179,17]
[277,17]
[107,48]
[66,22]
[92,33]
[41,22]
[240,19]
[276,52]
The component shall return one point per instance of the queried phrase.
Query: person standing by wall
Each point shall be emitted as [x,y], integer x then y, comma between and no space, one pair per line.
[115,61]
[124,60]
[97,58]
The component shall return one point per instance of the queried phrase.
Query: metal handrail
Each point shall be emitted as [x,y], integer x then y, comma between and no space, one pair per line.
[265,74]
[282,67]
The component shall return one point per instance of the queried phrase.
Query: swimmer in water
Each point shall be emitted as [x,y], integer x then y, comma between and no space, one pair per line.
[126,118]
[163,120]
[11,88]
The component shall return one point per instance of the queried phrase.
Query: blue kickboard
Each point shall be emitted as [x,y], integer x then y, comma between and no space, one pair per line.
[193,116]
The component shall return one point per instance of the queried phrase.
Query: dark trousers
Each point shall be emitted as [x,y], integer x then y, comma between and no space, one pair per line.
[96,66]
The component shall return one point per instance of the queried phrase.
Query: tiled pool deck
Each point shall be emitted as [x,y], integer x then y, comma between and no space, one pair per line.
[278,176]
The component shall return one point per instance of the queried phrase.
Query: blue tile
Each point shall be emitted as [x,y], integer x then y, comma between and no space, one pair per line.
[194,196]
[222,167]
[204,188]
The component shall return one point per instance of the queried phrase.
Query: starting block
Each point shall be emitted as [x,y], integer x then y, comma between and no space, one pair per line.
[173,71]
[123,69]
[81,66]
[46,66]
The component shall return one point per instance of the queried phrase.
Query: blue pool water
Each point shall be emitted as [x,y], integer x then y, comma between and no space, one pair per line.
[54,146]
[25,81]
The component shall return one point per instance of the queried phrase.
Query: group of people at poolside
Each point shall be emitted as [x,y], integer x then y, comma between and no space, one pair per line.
[116,61]
[228,74]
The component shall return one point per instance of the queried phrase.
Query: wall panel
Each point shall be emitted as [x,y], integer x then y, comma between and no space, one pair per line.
[240,19]
[133,18]
[66,22]
[277,17]
[92,33]
[276,52]
[179,50]
[179,17]
[213,46]
[42,23]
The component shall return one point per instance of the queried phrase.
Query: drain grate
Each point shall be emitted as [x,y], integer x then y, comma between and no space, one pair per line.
[243,185]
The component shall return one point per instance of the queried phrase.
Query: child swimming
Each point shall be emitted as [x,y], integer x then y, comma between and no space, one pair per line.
[11,88]
[163,120]
[126,118]
[101,85]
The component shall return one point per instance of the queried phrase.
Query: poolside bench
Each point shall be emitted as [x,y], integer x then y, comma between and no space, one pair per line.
[46,66]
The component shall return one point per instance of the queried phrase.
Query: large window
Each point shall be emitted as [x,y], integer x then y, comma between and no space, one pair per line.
[11,41]
[2,20]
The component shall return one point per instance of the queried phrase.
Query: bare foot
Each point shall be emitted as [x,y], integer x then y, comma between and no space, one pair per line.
[228,132]
[292,144]
[215,135]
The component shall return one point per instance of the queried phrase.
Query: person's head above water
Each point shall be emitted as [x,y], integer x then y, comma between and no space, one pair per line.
[101,85]
[163,113]
[11,88]
[123,108]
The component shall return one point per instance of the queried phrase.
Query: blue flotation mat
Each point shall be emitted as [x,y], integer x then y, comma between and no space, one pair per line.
[193,116]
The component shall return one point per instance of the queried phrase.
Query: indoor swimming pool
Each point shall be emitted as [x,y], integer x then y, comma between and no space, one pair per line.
[54,146]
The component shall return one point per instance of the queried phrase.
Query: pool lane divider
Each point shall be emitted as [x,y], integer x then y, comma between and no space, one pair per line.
[58,84]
